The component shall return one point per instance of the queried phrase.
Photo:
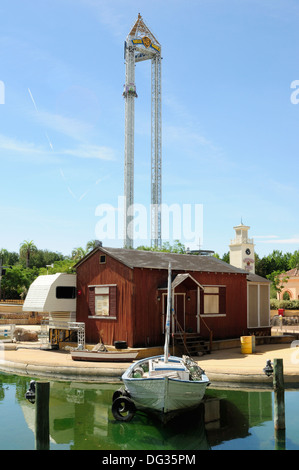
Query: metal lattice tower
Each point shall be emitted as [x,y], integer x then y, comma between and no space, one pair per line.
[141,45]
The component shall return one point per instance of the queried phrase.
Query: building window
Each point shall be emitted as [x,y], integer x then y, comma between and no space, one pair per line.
[102,301]
[65,292]
[214,300]
[102,259]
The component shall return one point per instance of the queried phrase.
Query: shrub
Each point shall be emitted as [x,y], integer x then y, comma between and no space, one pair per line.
[286,304]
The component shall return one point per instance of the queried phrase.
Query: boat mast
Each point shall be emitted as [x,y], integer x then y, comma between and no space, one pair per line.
[167,323]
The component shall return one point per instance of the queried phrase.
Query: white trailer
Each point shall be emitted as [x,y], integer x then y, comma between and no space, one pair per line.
[54,295]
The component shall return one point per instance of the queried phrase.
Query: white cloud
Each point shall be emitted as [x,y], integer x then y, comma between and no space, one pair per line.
[13,145]
[288,241]
[108,13]
[70,127]
[91,151]
[20,149]
[265,236]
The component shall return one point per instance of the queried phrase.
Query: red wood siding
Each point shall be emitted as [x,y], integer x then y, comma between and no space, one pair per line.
[91,272]
[148,309]
[234,323]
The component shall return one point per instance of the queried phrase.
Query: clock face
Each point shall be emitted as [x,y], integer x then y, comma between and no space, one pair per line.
[247,251]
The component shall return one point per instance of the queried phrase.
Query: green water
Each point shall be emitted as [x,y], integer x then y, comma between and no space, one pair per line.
[81,418]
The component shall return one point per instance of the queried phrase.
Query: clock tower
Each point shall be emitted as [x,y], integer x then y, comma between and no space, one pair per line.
[241,249]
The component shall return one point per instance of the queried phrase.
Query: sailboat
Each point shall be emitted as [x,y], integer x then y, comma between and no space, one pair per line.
[161,384]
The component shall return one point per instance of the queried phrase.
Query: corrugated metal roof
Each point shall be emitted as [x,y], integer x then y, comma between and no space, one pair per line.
[255,278]
[160,260]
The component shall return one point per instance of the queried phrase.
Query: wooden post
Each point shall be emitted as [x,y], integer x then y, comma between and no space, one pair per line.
[42,393]
[278,385]
[211,341]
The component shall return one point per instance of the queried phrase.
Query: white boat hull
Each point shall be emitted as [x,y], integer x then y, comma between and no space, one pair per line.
[164,394]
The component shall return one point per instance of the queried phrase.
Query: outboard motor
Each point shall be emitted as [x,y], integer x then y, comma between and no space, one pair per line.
[30,394]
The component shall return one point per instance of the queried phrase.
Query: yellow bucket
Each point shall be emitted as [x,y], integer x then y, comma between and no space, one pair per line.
[247,344]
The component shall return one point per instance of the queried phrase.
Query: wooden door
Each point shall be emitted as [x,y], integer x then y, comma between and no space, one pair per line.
[179,310]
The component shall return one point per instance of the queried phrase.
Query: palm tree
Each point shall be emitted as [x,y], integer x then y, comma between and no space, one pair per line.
[78,253]
[26,249]
[92,244]
[3,255]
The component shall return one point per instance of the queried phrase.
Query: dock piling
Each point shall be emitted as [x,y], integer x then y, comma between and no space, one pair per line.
[278,386]
[42,416]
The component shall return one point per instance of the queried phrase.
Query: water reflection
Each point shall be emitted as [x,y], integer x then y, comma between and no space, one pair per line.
[81,418]
[234,413]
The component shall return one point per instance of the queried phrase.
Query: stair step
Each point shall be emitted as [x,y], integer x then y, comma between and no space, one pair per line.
[193,344]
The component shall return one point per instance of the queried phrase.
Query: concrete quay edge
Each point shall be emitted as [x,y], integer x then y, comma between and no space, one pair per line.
[226,366]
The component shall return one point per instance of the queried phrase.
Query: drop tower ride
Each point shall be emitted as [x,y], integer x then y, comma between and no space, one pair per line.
[142,45]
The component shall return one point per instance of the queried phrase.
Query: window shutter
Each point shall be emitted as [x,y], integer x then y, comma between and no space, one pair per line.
[91,301]
[222,299]
[112,301]
[202,304]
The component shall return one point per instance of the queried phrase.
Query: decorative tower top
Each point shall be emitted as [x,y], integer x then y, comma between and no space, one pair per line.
[242,249]
[141,37]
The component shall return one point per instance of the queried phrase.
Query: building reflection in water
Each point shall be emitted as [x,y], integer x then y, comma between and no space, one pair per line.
[230,414]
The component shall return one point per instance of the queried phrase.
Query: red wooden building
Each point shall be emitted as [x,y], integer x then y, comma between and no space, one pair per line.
[123,296]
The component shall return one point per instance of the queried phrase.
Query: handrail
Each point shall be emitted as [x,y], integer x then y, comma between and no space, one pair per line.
[209,330]
[182,333]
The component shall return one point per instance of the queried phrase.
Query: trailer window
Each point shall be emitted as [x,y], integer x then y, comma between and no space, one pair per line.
[65,292]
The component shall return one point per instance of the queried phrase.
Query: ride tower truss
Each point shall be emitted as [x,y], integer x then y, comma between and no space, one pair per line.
[142,45]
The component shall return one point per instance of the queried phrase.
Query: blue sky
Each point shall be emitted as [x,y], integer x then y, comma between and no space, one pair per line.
[230,129]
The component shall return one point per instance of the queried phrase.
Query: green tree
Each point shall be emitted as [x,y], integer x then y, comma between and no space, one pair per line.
[91,245]
[3,255]
[42,258]
[225,257]
[16,281]
[177,247]
[26,250]
[294,260]
[279,261]
[60,266]
[78,253]
[278,279]
[275,261]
